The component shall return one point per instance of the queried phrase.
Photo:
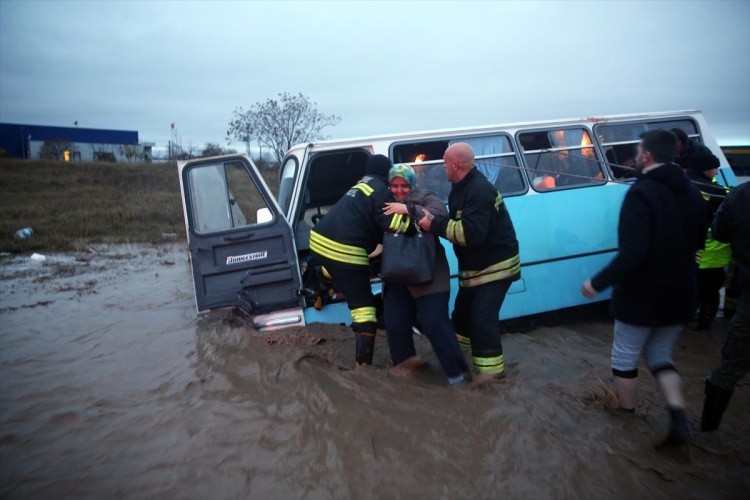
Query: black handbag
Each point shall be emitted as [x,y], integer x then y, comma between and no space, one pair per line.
[408,259]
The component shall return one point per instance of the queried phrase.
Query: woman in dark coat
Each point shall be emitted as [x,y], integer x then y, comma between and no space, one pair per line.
[427,304]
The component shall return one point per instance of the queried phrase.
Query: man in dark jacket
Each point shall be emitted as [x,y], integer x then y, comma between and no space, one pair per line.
[716,255]
[485,243]
[342,242]
[686,149]
[732,224]
[653,275]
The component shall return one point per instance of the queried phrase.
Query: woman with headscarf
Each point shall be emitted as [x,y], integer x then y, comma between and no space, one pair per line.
[427,304]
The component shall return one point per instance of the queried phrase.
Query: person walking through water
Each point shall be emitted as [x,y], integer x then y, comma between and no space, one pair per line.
[732,225]
[653,276]
[404,305]
[342,242]
[484,240]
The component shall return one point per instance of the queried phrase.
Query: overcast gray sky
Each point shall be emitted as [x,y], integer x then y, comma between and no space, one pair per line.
[382,66]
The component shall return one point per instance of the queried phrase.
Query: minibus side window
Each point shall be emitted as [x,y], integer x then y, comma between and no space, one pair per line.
[619,141]
[494,157]
[561,158]
[225,197]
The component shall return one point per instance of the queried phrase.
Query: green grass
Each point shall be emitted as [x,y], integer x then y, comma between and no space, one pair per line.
[72,205]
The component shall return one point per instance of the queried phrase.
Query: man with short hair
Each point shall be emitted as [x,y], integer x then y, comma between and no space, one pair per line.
[484,240]
[653,276]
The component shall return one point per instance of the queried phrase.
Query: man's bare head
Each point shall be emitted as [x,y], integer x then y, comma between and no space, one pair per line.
[459,160]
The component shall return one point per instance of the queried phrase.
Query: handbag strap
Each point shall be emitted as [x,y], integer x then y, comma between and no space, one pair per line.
[410,213]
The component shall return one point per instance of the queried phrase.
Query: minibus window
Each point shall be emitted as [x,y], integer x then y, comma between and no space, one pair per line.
[620,140]
[561,158]
[494,155]
[224,197]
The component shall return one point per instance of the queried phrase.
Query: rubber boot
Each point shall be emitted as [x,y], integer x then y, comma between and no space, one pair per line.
[705,318]
[364,348]
[714,404]
[679,431]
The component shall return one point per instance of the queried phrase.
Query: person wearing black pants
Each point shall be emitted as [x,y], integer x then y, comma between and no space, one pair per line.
[342,242]
[732,225]
[431,311]
[426,304]
[483,237]
[475,319]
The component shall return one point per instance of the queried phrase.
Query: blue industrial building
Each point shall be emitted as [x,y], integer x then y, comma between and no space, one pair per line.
[87,144]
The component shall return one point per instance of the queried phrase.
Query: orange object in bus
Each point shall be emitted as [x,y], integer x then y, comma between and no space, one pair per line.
[546,182]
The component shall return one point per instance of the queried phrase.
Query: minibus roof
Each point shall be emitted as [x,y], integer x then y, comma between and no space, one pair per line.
[489,128]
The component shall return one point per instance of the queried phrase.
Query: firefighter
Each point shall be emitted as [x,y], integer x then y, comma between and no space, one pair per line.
[480,228]
[716,255]
[732,225]
[342,241]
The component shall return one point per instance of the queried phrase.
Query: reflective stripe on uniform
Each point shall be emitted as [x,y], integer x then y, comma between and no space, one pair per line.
[337,251]
[454,232]
[490,366]
[495,272]
[364,315]
[464,341]
[399,223]
[325,272]
[365,188]
[498,201]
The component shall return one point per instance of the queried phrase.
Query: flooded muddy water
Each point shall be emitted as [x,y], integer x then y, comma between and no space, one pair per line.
[113,387]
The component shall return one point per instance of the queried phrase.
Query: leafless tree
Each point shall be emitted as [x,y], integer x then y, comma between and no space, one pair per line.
[130,152]
[212,149]
[280,123]
[54,148]
[103,152]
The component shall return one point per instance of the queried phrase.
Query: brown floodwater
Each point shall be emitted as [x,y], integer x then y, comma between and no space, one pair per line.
[113,387]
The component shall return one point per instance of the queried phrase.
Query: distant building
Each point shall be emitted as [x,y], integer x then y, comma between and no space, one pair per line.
[71,143]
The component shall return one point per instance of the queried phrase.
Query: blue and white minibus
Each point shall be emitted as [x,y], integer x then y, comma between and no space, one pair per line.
[563,182]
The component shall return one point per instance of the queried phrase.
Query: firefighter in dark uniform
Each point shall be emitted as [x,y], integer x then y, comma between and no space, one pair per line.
[479,226]
[342,242]
[716,255]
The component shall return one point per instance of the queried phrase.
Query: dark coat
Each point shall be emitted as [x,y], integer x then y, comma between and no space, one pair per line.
[654,272]
[416,201]
[732,225]
[487,228]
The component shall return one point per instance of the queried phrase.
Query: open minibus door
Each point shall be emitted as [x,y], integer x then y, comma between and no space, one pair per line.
[241,246]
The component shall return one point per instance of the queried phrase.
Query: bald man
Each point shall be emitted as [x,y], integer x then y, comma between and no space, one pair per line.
[479,226]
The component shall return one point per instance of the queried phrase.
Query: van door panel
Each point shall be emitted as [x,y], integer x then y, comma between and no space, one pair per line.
[242,251]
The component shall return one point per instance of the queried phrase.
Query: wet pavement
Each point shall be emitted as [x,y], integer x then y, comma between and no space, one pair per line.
[113,387]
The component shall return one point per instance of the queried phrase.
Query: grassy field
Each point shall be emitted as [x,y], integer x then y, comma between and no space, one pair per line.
[72,205]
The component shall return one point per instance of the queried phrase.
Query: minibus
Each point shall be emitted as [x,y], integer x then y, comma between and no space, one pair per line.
[563,182]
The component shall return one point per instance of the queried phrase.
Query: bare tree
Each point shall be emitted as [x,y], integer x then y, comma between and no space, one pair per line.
[280,123]
[212,149]
[103,152]
[129,151]
[54,148]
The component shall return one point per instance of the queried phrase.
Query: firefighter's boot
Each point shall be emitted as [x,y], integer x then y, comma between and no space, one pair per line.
[364,348]
[714,404]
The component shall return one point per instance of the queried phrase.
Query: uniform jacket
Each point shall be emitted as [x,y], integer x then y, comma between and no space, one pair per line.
[732,225]
[660,229]
[715,254]
[480,228]
[349,232]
